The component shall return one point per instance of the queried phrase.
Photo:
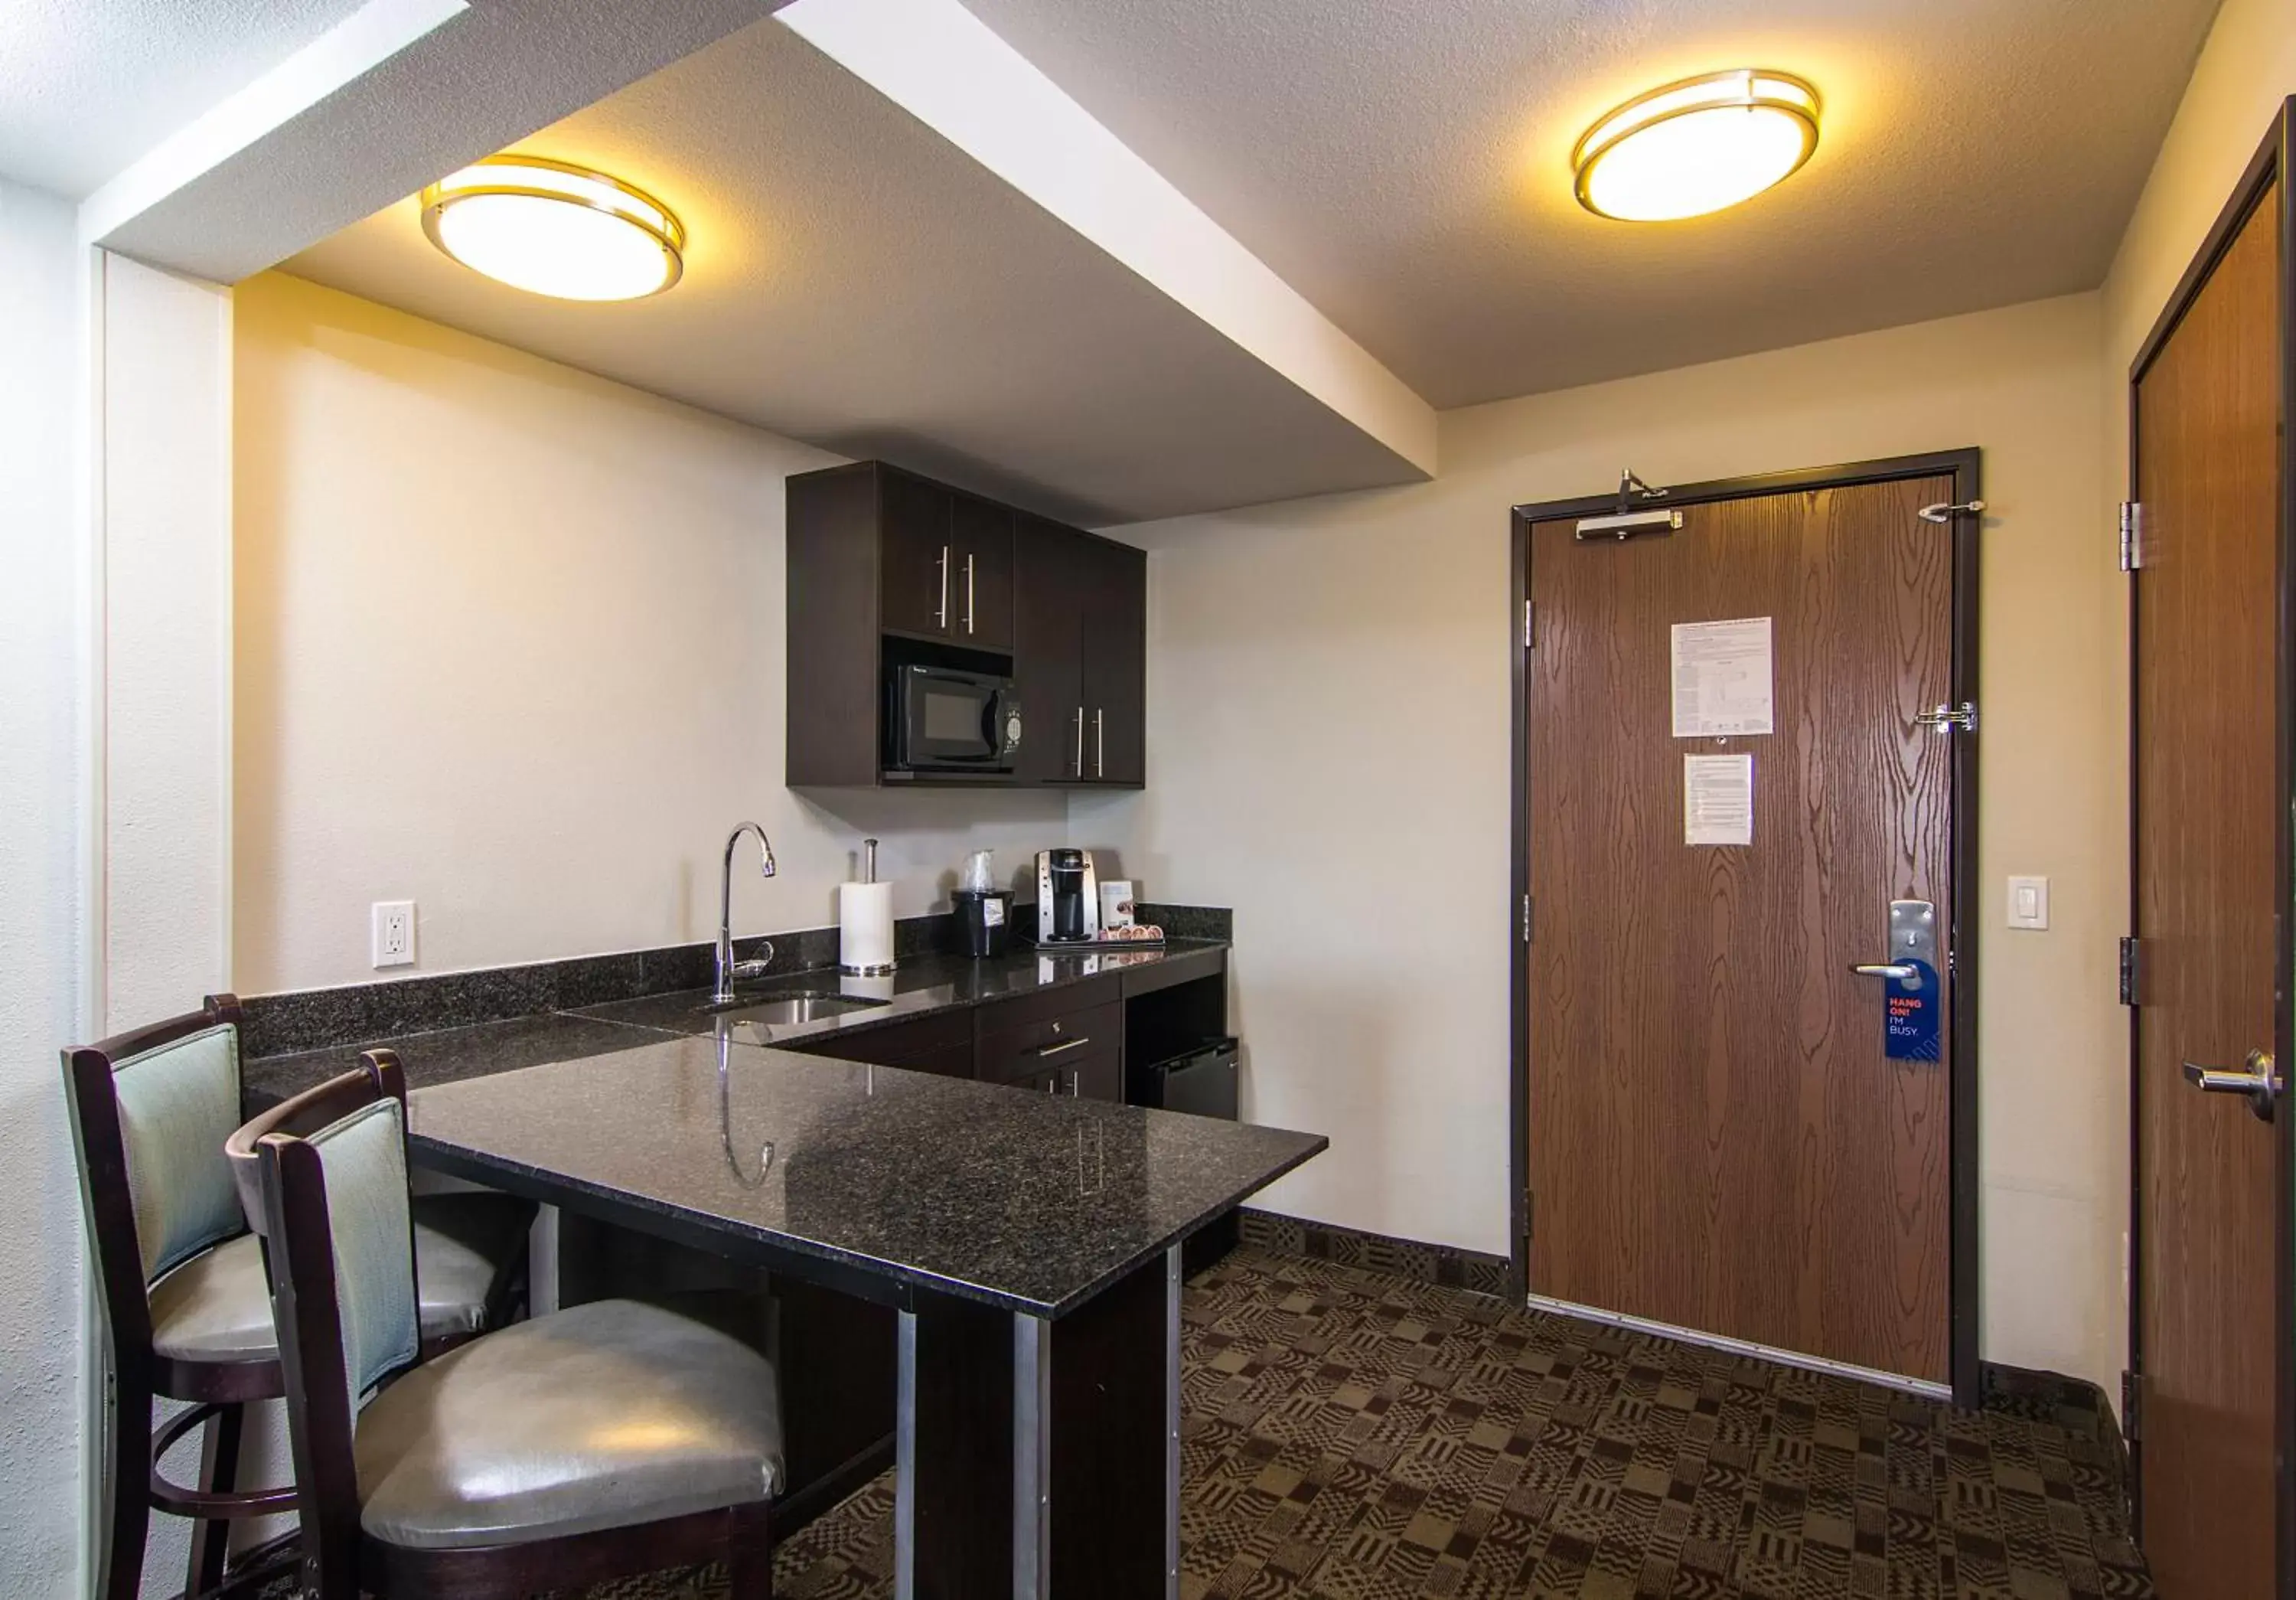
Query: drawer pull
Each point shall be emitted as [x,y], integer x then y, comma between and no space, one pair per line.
[1045,1050]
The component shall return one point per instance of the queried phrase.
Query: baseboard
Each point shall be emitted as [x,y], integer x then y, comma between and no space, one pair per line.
[1445,1264]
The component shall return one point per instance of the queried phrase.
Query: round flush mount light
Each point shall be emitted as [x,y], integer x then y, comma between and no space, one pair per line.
[1697,145]
[553,228]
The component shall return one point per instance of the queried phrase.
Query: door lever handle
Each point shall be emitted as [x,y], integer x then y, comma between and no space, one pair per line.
[1901,972]
[2260,1081]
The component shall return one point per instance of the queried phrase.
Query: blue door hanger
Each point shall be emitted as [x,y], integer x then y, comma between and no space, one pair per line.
[1909,1020]
[1912,998]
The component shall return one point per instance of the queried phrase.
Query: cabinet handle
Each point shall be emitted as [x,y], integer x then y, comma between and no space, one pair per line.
[1045,1050]
[1100,744]
[941,617]
[1074,1093]
[967,591]
[1051,1083]
[1079,758]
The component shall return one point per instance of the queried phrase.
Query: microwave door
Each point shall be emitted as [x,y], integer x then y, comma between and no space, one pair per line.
[953,715]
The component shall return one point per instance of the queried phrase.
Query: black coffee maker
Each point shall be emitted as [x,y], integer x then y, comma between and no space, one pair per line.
[1067,897]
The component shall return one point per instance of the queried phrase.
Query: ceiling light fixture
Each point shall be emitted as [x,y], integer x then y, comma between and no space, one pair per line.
[553,228]
[1697,145]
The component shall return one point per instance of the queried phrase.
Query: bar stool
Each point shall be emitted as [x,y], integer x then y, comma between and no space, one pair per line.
[185,1303]
[599,1442]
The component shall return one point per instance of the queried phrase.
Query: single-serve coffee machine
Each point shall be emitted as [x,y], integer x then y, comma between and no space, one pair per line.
[1067,897]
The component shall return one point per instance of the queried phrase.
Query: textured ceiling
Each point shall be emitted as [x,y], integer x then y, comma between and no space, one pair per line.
[87,86]
[855,282]
[1405,165]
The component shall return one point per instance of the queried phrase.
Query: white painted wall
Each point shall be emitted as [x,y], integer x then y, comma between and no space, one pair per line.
[511,644]
[166,657]
[1328,749]
[41,606]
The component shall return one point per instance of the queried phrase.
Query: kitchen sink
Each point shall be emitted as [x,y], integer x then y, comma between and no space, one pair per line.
[779,1010]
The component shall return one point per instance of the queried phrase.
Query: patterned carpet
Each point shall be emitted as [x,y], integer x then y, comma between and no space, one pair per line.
[1352,1435]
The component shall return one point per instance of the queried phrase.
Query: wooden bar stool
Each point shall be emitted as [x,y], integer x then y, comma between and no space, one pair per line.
[185,1298]
[610,1440]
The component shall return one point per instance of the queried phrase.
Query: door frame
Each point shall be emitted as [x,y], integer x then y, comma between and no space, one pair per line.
[2274,159]
[1963,1294]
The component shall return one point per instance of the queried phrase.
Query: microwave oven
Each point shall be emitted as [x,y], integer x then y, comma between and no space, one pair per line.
[942,719]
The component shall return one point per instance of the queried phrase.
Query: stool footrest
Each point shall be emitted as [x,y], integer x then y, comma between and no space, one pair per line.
[208,1504]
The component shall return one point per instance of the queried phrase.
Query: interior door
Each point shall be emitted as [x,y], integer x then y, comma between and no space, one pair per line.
[2210,881]
[1719,1140]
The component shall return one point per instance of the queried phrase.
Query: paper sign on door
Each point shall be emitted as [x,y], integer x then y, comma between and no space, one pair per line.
[1722,678]
[1717,800]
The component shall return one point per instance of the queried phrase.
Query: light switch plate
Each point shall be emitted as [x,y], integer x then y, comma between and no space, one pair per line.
[2028,903]
[394,932]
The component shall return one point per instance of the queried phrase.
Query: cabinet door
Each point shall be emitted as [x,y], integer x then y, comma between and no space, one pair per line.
[1047,649]
[1115,663]
[1098,1077]
[980,577]
[916,583]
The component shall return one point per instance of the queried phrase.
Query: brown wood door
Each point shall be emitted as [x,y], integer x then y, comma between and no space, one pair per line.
[1717,1140]
[2210,893]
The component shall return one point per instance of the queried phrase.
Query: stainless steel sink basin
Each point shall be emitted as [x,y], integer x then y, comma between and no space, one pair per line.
[779,1010]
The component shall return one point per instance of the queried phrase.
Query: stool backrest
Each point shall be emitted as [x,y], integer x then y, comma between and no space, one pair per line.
[151,1110]
[336,1219]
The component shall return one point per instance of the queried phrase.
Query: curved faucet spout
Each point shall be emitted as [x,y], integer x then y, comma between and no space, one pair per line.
[728,969]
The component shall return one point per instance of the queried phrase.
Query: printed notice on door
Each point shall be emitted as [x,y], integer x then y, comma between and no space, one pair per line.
[1717,800]
[1721,678]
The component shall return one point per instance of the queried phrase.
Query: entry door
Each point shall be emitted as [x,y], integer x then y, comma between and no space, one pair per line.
[1718,1138]
[2211,889]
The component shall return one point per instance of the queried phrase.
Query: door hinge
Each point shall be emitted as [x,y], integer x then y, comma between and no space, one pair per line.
[1960,719]
[1528,1199]
[1528,611]
[2132,1407]
[2132,534]
[2129,973]
[1526,919]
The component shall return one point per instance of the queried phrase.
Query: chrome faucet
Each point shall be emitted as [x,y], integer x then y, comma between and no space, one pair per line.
[729,969]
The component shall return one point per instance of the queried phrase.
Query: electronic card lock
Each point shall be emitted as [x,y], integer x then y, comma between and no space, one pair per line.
[1912,1001]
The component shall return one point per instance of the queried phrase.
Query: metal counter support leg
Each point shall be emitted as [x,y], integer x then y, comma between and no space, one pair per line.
[1174,1279]
[1032,1458]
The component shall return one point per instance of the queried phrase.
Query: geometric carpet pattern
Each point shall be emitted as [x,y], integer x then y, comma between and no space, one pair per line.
[1352,1435]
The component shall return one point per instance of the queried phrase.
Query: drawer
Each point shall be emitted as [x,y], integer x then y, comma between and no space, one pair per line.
[896,1043]
[1094,1074]
[1000,1017]
[950,1061]
[1015,1052]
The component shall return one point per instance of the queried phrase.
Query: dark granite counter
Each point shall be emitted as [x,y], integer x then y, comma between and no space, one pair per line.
[1031,1203]
[930,983]
[923,984]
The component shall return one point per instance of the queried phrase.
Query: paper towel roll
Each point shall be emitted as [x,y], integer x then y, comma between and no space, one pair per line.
[865,927]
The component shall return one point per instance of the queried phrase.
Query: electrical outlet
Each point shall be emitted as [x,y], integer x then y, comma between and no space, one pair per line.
[394,932]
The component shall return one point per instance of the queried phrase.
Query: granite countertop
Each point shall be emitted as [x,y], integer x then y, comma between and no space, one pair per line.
[922,986]
[1032,1202]
[929,983]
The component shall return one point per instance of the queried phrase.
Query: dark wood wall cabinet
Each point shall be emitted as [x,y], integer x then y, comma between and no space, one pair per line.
[886,565]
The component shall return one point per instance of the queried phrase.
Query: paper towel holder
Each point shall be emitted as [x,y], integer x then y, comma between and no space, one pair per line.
[875,969]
